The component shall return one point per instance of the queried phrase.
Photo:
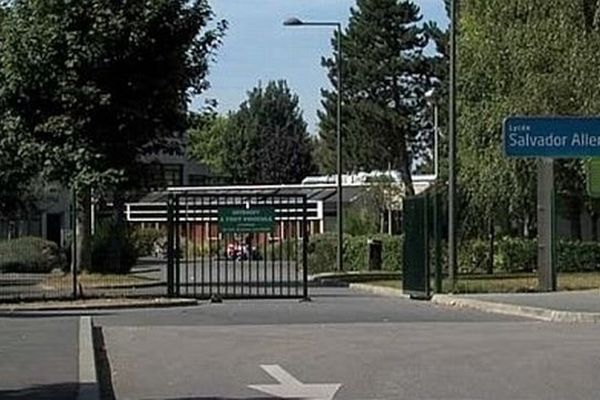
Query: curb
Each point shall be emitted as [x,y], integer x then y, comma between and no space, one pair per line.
[379,290]
[88,379]
[538,313]
[112,304]
[542,314]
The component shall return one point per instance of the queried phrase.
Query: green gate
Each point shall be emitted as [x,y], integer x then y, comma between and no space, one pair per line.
[415,273]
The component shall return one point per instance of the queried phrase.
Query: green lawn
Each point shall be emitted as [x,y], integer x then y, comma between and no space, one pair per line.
[508,284]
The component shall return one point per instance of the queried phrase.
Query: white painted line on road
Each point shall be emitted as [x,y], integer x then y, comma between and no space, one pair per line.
[291,388]
[88,380]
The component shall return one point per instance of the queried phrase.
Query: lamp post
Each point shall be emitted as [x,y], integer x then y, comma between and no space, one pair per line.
[432,101]
[452,150]
[340,230]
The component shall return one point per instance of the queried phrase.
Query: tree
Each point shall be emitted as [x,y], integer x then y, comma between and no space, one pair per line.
[206,135]
[385,76]
[94,84]
[521,58]
[265,140]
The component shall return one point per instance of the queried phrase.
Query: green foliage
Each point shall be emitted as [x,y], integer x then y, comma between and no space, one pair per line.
[93,84]
[113,249]
[385,76]
[145,240]
[266,140]
[520,255]
[31,255]
[520,58]
[322,252]
[578,256]
[360,220]
[206,138]
[516,255]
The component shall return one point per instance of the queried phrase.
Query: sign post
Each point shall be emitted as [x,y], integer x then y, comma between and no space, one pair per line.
[547,138]
[545,214]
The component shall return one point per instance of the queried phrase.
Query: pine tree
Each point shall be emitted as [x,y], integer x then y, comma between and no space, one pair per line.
[266,140]
[385,76]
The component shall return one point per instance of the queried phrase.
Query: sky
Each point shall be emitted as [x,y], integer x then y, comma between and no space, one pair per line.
[258,48]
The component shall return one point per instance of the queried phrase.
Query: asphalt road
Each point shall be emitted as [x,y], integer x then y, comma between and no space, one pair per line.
[374,347]
[38,357]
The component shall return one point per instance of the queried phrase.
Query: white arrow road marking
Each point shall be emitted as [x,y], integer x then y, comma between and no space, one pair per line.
[291,388]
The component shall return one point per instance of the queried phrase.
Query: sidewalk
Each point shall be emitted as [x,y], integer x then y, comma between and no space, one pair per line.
[567,306]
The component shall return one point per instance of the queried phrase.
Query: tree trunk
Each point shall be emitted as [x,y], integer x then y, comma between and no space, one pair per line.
[405,163]
[575,216]
[84,230]
[594,216]
[492,232]
[116,244]
[409,189]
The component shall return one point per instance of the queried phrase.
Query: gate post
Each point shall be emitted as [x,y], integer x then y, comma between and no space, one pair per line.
[170,245]
[305,235]
[415,268]
[177,248]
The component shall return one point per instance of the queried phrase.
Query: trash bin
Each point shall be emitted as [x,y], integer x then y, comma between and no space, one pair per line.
[375,250]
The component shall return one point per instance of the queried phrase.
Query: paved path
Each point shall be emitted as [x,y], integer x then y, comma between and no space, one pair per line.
[576,301]
[38,357]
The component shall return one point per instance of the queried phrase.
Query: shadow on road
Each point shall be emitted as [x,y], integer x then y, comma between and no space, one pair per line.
[58,391]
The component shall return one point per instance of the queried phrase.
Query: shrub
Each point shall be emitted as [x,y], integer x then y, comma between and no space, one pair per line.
[106,243]
[31,254]
[474,256]
[520,255]
[577,256]
[515,254]
[322,252]
[146,239]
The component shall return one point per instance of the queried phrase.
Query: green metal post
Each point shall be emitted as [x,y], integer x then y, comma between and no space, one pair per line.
[74,243]
[437,243]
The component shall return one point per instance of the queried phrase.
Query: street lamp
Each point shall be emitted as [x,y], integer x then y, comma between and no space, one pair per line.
[338,26]
[452,150]
[433,102]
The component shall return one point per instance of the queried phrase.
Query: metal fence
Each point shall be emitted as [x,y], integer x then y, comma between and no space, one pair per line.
[237,245]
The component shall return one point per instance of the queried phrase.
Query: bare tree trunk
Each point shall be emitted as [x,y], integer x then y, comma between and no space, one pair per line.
[575,216]
[594,219]
[84,230]
[116,244]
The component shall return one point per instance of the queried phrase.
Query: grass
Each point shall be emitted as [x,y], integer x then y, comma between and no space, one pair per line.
[89,280]
[508,284]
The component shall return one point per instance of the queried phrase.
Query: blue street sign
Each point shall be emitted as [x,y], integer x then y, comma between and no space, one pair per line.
[552,137]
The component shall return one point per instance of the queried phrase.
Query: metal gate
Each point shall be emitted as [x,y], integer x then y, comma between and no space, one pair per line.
[415,273]
[237,245]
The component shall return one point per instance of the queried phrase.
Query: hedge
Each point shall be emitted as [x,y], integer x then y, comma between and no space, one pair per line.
[31,255]
[511,255]
[106,241]
[145,240]
[322,251]
[520,255]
